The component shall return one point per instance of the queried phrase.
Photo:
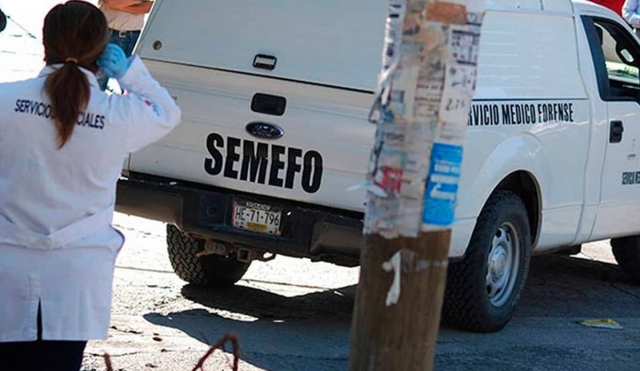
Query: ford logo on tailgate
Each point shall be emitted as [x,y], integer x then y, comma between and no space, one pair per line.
[264,130]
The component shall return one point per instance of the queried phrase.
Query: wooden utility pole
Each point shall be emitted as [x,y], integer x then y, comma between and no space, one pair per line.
[421,110]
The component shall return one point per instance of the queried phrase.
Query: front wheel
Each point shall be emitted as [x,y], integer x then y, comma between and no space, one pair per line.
[626,250]
[207,270]
[483,290]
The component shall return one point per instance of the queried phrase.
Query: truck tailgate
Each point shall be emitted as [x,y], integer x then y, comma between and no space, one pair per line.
[323,151]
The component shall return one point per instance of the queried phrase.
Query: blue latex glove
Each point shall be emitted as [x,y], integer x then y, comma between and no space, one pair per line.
[113,61]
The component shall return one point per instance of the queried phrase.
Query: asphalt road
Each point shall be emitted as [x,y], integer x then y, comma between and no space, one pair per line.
[292,314]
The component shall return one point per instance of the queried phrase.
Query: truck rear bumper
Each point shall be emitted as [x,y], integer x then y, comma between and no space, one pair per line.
[307,230]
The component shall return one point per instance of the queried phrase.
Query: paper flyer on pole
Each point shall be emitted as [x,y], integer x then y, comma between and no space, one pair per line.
[421,111]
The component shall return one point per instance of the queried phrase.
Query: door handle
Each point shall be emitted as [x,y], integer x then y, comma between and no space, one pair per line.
[615,131]
[268,104]
[266,62]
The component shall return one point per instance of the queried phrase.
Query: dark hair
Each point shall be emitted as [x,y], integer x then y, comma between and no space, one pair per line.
[74,34]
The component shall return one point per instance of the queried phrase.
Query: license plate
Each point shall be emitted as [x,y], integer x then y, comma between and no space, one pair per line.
[257,217]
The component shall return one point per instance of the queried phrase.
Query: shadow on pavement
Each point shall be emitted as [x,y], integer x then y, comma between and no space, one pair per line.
[275,332]
[334,304]
[562,286]
[285,333]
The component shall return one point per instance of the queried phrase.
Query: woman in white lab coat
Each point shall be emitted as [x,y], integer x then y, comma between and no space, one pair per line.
[62,146]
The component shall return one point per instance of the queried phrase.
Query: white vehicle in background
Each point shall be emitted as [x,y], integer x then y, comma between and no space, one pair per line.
[275,98]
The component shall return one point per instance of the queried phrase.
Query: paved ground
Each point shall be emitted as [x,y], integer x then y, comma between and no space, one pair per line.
[291,314]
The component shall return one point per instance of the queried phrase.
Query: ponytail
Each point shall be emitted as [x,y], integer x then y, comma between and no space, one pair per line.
[68,90]
[75,34]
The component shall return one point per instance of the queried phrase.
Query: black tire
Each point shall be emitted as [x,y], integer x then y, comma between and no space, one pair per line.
[208,270]
[626,250]
[468,304]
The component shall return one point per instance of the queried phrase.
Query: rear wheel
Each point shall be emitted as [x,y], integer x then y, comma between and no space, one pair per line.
[483,290]
[626,250]
[208,270]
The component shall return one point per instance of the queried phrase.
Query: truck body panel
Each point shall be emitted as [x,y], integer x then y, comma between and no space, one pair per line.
[536,110]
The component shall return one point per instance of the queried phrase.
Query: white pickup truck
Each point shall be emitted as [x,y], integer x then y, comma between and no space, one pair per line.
[275,99]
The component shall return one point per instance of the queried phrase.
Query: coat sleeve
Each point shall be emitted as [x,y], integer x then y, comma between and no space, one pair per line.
[629,12]
[147,112]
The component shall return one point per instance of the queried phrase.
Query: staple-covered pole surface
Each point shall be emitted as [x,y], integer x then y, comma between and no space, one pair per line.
[424,96]
[401,336]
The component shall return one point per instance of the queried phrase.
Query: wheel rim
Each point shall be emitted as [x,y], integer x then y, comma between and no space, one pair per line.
[503,265]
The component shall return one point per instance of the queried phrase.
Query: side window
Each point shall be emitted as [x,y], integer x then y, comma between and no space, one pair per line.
[618,61]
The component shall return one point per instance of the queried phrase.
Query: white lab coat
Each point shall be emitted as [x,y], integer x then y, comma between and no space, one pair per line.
[57,246]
